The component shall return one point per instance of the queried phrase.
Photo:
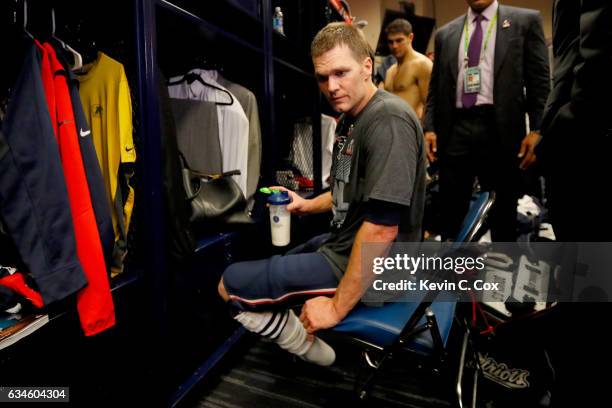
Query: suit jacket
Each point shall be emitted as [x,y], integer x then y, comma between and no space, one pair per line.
[582,83]
[521,76]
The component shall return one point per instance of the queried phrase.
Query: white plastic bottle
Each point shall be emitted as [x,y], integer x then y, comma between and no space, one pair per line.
[277,21]
[280,218]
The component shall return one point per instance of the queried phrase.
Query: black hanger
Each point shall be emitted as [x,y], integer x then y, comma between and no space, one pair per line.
[77,58]
[190,77]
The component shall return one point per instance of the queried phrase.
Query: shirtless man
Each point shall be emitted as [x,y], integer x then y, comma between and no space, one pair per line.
[409,77]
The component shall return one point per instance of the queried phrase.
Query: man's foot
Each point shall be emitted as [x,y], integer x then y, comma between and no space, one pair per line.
[320,353]
[286,330]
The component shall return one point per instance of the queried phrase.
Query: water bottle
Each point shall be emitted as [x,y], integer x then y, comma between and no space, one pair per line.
[277,21]
[280,218]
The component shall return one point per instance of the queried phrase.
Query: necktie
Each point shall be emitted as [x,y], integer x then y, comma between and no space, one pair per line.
[469,100]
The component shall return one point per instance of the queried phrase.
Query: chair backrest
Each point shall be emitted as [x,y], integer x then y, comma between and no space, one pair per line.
[479,208]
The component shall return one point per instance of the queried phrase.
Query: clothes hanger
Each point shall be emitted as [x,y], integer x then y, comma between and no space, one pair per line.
[190,77]
[25,19]
[78,59]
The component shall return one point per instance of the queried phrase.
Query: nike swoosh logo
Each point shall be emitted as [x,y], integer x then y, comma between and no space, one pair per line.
[84,133]
[129,149]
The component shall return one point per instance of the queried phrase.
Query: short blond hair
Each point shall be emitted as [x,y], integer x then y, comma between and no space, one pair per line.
[340,33]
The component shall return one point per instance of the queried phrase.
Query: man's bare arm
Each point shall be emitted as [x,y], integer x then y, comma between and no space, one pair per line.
[355,280]
[423,77]
[389,78]
[301,206]
[321,203]
[322,312]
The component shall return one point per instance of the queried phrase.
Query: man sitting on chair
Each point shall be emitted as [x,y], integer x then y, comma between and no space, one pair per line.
[377,195]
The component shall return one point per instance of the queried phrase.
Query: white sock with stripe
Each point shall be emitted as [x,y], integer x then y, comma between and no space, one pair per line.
[284,328]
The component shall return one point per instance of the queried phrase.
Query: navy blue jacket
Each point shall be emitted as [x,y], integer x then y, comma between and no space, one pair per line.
[93,173]
[33,196]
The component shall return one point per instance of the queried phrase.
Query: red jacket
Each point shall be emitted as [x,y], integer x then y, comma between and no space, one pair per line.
[94,302]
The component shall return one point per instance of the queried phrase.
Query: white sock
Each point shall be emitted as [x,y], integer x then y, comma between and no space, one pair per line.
[287,331]
[254,322]
[320,353]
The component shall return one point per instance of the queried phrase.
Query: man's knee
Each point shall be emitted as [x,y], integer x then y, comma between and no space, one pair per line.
[222,291]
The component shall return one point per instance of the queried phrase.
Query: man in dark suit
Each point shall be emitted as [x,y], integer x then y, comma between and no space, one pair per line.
[577,124]
[490,69]
[574,151]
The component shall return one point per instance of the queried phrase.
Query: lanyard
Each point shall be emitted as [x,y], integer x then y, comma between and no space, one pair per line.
[486,41]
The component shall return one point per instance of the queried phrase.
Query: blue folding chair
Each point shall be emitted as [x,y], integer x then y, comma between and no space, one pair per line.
[420,327]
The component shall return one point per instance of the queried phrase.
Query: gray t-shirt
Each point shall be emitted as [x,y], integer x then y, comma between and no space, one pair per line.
[378,155]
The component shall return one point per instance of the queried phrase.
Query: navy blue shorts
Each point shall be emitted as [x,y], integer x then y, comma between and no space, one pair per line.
[280,280]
